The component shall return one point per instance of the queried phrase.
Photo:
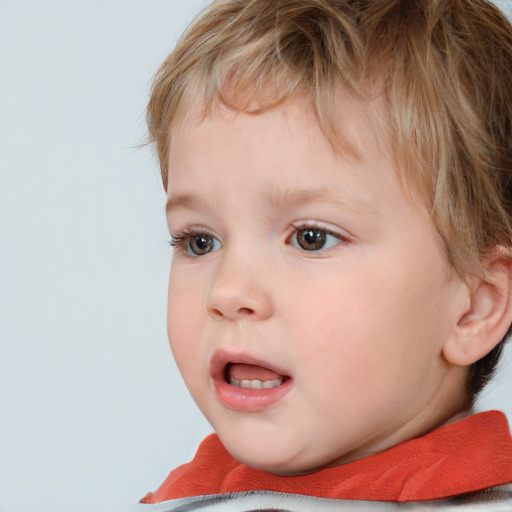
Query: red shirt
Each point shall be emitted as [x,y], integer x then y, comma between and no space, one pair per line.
[459,458]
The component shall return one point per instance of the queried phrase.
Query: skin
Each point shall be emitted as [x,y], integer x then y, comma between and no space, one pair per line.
[358,327]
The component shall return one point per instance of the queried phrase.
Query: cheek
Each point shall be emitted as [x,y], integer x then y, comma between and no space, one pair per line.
[332,329]
[185,299]
[346,327]
[183,322]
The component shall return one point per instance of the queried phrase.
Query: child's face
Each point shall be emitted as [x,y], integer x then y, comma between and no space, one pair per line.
[314,274]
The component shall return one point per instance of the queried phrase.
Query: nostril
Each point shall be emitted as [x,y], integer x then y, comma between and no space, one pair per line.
[215,313]
[219,314]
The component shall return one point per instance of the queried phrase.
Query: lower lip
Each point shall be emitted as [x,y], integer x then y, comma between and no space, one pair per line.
[249,400]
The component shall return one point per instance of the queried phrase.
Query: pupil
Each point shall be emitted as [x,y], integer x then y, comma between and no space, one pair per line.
[311,239]
[201,244]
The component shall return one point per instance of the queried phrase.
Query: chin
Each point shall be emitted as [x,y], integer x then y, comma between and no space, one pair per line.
[268,458]
[272,466]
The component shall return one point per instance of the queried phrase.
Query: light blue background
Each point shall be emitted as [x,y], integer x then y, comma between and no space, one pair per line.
[93,413]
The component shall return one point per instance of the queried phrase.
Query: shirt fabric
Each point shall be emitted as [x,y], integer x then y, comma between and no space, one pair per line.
[456,460]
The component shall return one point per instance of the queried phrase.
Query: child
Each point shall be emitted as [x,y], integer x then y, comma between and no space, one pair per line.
[339,175]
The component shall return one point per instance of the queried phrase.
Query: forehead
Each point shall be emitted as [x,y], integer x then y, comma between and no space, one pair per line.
[205,148]
[358,129]
[283,156]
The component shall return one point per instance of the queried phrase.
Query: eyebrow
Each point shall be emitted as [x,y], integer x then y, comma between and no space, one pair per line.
[274,200]
[277,199]
[181,201]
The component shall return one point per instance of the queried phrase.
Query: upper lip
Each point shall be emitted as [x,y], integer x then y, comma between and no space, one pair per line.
[221,358]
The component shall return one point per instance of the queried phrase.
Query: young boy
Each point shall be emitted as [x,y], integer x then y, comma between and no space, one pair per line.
[339,182]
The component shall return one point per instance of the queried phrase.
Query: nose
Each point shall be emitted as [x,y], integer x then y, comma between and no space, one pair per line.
[239,291]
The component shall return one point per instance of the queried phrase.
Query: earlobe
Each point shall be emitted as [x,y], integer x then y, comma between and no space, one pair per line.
[489,315]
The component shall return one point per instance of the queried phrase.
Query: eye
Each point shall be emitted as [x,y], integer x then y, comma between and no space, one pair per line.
[201,244]
[195,243]
[311,238]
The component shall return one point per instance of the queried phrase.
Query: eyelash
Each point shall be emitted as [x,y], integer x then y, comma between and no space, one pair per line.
[179,239]
[326,230]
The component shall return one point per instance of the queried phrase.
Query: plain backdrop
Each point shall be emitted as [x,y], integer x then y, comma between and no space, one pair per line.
[93,413]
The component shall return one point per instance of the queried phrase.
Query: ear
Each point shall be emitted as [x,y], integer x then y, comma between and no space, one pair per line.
[485,322]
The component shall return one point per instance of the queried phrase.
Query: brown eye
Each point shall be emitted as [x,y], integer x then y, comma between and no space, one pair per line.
[315,239]
[311,239]
[201,244]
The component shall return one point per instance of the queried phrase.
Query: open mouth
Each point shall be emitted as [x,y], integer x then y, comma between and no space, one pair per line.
[252,376]
[247,384]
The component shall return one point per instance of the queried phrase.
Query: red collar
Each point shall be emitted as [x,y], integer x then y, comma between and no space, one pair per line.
[466,456]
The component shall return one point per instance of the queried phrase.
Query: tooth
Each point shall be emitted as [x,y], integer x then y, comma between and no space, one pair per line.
[256,384]
[251,384]
[271,384]
[234,382]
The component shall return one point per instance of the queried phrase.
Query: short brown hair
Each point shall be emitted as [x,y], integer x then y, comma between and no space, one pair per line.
[444,68]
